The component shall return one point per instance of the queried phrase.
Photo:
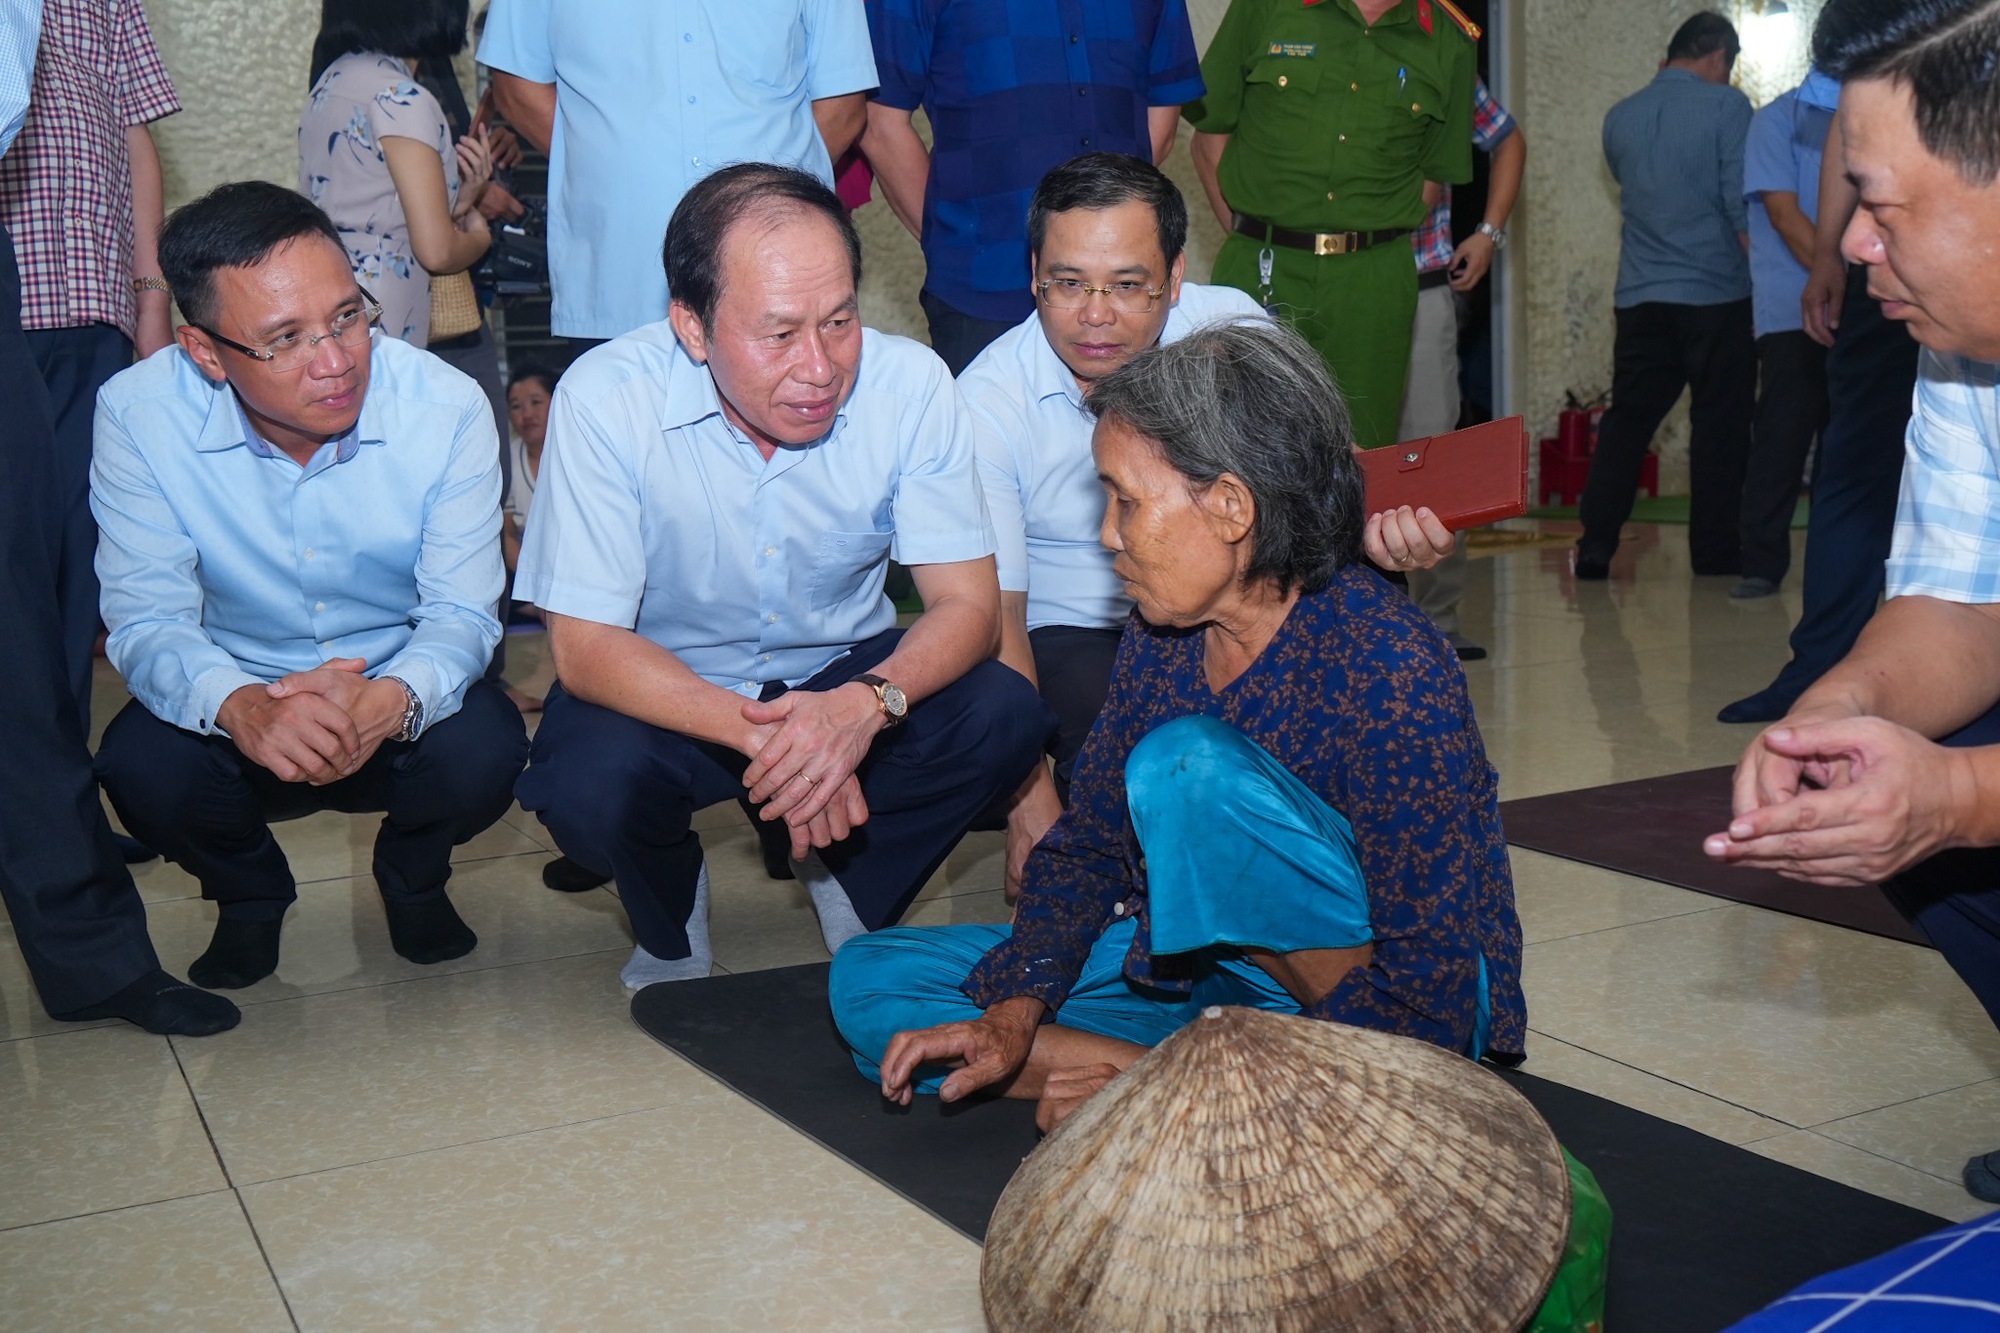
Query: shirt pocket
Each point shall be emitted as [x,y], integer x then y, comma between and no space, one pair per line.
[1278,96]
[763,44]
[844,565]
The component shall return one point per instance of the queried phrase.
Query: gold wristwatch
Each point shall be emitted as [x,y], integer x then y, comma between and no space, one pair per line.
[895,705]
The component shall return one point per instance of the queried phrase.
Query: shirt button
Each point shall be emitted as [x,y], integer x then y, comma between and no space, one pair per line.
[1353,87]
[771,619]
[319,606]
[770,550]
[1283,80]
[1343,138]
[687,36]
[1118,909]
[309,552]
[1083,92]
[690,99]
[1074,39]
[1329,194]
[1415,106]
[1086,141]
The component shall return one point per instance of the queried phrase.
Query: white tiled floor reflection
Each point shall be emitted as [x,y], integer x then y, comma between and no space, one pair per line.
[491,1142]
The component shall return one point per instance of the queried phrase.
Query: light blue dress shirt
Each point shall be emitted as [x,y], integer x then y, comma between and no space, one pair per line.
[1787,142]
[20,34]
[226,564]
[1947,536]
[653,513]
[1676,149]
[1033,435]
[651,96]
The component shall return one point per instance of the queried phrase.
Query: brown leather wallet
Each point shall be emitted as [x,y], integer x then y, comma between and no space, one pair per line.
[1468,477]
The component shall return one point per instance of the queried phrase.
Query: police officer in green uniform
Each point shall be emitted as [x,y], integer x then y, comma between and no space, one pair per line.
[1322,121]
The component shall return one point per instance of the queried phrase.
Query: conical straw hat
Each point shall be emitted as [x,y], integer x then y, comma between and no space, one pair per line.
[1263,1171]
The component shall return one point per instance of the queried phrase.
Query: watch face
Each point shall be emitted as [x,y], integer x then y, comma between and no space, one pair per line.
[893,700]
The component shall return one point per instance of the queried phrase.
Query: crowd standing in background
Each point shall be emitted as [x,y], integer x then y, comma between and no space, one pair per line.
[310,535]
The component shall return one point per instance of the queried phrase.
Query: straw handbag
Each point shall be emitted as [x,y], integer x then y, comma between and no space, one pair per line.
[454,307]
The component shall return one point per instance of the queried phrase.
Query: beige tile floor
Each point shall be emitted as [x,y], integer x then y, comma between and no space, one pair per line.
[490,1143]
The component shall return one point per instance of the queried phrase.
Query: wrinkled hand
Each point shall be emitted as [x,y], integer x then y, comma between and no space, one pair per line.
[498,204]
[1846,801]
[475,168]
[1819,304]
[1406,539]
[1032,815]
[990,1049]
[1067,1089]
[301,737]
[1470,262]
[374,706]
[805,747]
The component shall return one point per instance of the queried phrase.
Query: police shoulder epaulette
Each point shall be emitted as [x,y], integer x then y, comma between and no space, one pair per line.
[1458,16]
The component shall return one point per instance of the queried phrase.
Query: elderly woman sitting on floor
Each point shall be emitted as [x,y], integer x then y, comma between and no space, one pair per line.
[1285,802]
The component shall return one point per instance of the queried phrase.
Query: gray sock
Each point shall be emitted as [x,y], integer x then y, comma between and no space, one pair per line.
[837,922]
[644,969]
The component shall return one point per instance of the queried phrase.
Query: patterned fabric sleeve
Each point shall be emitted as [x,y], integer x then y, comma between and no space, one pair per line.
[145,93]
[1491,123]
[1948,515]
[1175,76]
[1083,865]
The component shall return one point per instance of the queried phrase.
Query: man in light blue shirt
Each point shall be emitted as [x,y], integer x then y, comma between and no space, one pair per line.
[1781,165]
[1683,300]
[636,100]
[1883,771]
[1105,235]
[299,551]
[720,495]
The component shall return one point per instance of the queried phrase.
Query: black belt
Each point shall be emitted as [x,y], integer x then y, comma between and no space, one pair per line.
[1316,243]
[1437,277]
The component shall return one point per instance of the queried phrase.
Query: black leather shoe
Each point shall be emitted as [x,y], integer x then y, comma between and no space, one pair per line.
[1592,568]
[1767,705]
[1467,650]
[567,876]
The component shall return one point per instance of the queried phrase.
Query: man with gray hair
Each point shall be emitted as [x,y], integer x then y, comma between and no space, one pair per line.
[721,494]
[1883,771]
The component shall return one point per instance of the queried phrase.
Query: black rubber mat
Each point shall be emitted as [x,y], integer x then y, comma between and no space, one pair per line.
[1704,1232]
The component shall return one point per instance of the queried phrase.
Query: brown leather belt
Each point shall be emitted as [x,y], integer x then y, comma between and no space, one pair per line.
[1316,243]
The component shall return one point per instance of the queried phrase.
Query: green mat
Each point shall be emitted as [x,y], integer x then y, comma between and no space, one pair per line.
[1657,509]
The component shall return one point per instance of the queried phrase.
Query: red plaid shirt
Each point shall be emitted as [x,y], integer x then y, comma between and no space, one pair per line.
[1490,124]
[66,184]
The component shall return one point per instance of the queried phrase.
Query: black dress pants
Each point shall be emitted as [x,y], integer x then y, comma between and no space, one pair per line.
[1073,667]
[77,917]
[1791,410]
[956,336]
[1661,349]
[205,806]
[1871,374]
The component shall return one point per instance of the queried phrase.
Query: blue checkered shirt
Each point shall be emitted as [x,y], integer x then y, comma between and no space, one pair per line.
[1947,542]
[20,26]
[1014,88]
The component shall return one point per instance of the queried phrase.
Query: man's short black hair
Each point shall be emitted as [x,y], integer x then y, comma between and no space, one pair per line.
[1704,34]
[1106,180]
[701,222]
[410,29]
[232,226]
[1947,52]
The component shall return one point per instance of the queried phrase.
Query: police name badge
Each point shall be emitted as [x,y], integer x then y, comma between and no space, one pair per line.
[1299,50]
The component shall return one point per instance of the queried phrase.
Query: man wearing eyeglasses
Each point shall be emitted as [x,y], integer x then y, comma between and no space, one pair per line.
[299,561]
[1105,238]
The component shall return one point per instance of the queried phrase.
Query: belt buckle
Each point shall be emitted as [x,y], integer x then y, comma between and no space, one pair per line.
[1336,243]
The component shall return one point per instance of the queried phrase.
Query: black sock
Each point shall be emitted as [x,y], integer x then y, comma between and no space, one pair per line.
[158,1003]
[428,931]
[242,954]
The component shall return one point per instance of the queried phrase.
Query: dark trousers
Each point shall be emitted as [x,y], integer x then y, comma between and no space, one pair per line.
[620,794]
[1661,349]
[77,918]
[1791,410]
[202,804]
[75,363]
[956,336]
[1954,897]
[1871,373]
[1073,665]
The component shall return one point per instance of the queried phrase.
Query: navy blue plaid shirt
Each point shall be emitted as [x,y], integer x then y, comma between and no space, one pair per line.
[1014,88]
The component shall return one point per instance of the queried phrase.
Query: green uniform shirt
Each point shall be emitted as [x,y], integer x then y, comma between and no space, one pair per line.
[1336,125]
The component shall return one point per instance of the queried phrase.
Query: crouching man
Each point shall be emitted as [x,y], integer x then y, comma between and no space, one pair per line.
[300,558]
[720,496]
